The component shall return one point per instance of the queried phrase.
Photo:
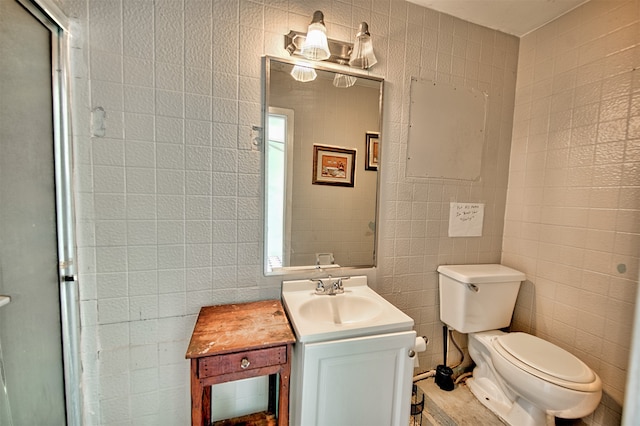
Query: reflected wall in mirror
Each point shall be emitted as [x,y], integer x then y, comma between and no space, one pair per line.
[307,223]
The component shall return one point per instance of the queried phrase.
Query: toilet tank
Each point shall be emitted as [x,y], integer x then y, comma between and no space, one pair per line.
[477,297]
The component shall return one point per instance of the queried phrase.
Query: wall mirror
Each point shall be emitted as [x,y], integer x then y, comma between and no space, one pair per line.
[322,145]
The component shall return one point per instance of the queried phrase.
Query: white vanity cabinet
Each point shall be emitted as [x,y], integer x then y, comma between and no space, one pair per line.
[354,381]
[353,356]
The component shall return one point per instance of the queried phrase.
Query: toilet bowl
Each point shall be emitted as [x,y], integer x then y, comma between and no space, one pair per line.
[528,381]
[523,379]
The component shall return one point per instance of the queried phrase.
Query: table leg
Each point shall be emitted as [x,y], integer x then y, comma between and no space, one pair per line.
[200,399]
[283,403]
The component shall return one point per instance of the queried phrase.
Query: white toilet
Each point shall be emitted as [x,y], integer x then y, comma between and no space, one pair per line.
[523,379]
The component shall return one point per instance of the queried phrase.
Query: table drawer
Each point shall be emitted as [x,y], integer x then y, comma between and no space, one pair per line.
[242,361]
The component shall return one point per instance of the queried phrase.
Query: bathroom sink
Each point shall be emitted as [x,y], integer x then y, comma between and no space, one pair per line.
[359,311]
[340,309]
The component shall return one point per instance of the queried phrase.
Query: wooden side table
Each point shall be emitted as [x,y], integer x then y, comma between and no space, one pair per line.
[238,341]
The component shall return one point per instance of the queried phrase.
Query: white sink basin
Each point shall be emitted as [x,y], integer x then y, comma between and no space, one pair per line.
[340,309]
[4,300]
[359,311]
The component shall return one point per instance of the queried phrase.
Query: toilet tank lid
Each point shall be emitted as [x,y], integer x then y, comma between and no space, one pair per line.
[480,274]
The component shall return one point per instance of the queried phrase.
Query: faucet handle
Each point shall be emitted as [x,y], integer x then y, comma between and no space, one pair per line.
[319,286]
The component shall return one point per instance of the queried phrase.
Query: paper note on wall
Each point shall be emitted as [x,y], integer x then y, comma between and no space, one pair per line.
[465,219]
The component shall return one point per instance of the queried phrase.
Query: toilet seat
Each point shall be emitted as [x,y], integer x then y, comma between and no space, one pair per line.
[546,361]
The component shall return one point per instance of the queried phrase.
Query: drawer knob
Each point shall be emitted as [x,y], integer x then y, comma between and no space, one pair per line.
[244,363]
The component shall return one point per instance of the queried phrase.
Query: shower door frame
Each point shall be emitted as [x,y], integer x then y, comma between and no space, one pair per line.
[50,15]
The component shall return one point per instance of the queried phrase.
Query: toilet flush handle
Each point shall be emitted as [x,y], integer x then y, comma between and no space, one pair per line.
[472,287]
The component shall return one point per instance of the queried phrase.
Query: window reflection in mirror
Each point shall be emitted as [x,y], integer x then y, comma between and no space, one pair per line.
[279,151]
[324,218]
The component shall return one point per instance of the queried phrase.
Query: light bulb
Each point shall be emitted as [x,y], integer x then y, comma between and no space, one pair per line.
[316,46]
[362,55]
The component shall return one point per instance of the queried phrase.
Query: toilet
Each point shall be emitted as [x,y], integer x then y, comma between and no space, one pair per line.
[524,380]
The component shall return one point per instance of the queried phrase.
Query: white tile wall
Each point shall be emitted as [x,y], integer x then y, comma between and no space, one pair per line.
[573,211]
[168,202]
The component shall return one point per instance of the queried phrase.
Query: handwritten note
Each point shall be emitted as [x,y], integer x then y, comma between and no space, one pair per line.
[465,219]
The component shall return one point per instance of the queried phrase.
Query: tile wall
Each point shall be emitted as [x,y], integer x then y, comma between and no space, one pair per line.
[573,207]
[168,194]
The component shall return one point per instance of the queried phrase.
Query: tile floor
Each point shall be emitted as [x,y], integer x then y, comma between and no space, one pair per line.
[459,408]
[456,408]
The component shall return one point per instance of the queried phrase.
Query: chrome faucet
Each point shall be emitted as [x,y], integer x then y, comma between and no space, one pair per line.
[331,288]
[320,287]
[337,287]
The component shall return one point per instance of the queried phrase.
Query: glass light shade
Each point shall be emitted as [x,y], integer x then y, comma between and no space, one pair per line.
[316,46]
[362,55]
[303,74]
[344,81]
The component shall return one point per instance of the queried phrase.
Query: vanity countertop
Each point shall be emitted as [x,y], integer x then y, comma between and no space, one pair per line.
[237,327]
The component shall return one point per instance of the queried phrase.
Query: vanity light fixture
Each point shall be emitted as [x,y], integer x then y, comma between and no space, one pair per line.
[295,43]
[362,55]
[303,74]
[316,46]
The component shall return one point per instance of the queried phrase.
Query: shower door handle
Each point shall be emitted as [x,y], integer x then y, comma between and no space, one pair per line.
[4,300]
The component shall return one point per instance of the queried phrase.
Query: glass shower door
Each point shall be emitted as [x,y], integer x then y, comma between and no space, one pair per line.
[5,409]
[30,326]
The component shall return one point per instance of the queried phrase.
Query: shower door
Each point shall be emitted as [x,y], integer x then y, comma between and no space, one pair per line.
[30,326]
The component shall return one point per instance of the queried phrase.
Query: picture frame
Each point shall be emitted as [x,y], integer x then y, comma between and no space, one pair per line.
[333,166]
[372,150]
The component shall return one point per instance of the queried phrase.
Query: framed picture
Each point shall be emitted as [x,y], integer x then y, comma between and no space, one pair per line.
[333,166]
[371,160]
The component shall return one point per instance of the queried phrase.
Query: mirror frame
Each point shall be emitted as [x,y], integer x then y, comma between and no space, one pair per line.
[328,67]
